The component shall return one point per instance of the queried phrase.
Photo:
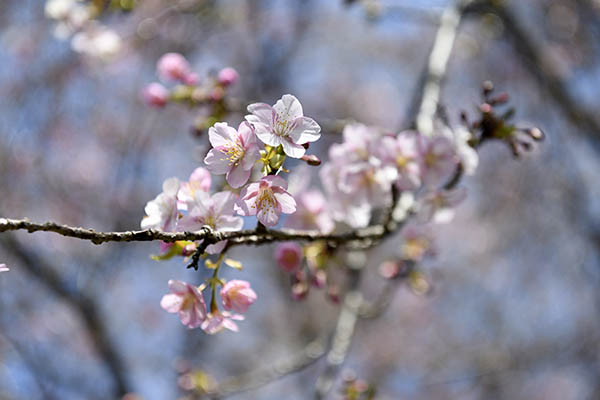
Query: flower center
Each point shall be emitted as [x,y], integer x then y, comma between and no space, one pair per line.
[234,152]
[283,126]
[266,200]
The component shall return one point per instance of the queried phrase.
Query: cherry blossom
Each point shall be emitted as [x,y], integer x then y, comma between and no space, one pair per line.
[227,76]
[215,211]
[237,295]
[438,205]
[173,67]
[161,213]
[200,180]
[289,256]
[402,152]
[266,199]
[311,213]
[284,124]
[216,321]
[418,241]
[186,300]
[438,159]
[156,95]
[234,152]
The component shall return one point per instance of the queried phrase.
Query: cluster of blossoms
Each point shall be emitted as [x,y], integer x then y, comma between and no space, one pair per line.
[364,174]
[76,19]
[251,158]
[187,88]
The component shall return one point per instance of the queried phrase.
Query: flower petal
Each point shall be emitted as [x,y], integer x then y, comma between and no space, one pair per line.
[288,108]
[286,201]
[221,134]
[238,176]
[291,149]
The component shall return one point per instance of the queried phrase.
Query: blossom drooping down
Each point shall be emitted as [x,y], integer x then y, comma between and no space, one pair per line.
[289,256]
[266,199]
[218,320]
[4,268]
[237,295]
[173,67]
[186,300]
[215,211]
[161,213]
[284,124]
[234,152]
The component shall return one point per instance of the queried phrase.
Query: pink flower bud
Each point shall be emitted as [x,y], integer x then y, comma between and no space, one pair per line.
[289,256]
[191,79]
[319,279]
[155,95]
[173,67]
[228,76]
[237,295]
[299,291]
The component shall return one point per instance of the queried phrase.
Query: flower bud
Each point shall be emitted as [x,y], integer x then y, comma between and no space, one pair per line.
[333,292]
[289,256]
[227,76]
[311,159]
[173,67]
[319,278]
[155,95]
[299,290]
[237,296]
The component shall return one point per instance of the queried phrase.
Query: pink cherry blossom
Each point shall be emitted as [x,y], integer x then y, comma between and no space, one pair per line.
[216,321]
[237,295]
[266,199]
[234,152]
[284,124]
[418,241]
[227,76]
[200,180]
[289,256]
[173,67]
[402,152]
[161,213]
[311,213]
[4,268]
[215,211]
[155,95]
[186,300]
[438,205]
[438,159]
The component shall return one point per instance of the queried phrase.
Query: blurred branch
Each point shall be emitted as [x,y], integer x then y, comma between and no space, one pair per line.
[260,377]
[84,306]
[540,66]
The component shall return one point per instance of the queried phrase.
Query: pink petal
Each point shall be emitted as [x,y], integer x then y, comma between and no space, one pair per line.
[238,176]
[171,302]
[217,162]
[291,149]
[286,201]
[288,107]
[221,134]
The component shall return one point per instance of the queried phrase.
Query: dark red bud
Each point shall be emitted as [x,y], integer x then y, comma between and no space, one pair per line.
[311,159]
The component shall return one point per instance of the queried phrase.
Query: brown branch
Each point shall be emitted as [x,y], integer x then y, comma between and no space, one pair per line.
[367,236]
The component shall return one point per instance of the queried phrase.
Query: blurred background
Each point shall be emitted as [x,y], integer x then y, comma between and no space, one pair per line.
[513,313]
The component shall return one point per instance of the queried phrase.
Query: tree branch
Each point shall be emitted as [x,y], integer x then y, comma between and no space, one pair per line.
[368,236]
